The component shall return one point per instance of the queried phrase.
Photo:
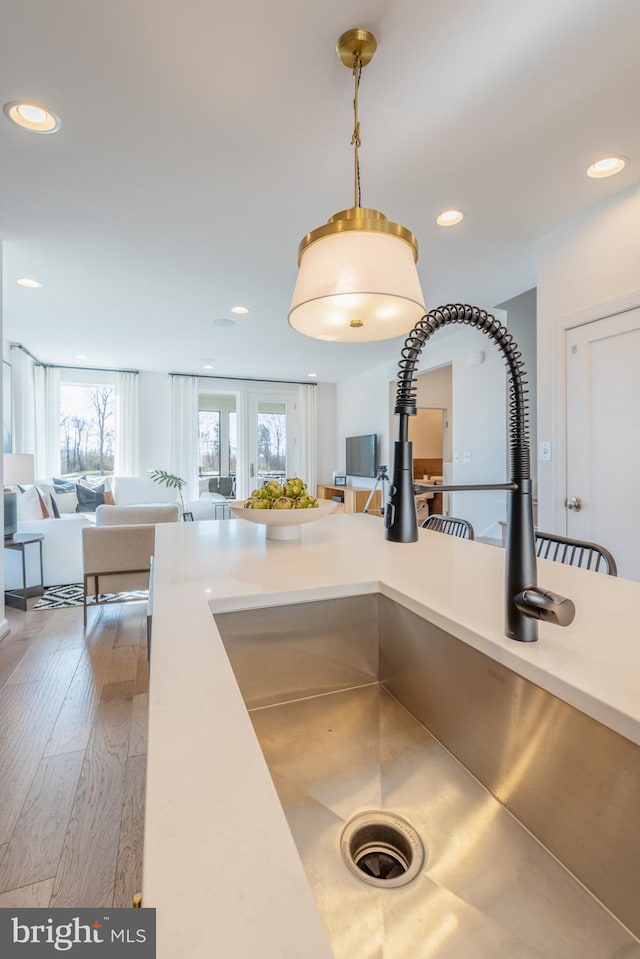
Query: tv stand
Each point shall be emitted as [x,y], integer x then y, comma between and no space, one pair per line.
[353,498]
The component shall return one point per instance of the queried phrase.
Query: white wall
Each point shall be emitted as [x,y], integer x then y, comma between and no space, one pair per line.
[479,418]
[362,406]
[588,268]
[326,454]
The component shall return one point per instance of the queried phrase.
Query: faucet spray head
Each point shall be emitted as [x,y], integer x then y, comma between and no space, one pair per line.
[400,518]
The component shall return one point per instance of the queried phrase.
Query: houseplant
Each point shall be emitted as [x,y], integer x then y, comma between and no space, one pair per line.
[171,481]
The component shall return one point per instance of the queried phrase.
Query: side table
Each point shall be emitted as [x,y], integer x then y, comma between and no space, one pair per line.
[18,597]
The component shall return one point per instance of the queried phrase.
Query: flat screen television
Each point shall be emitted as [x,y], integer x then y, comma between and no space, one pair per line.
[362,455]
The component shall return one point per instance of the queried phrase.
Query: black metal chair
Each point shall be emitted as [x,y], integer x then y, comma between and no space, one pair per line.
[575,552]
[449,524]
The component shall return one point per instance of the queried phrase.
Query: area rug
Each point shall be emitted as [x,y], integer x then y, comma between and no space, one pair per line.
[57,597]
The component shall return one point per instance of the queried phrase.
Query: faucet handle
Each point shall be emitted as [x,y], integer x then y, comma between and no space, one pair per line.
[540,603]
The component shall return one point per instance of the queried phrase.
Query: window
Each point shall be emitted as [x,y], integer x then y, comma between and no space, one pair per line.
[209,442]
[272,441]
[217,434]
[87,428]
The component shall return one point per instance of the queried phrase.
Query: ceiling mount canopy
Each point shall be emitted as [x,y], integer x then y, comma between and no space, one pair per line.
[357,278]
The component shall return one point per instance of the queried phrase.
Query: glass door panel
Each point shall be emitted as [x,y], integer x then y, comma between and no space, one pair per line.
[272,439]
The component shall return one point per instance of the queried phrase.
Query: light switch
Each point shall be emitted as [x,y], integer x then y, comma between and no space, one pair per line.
[544,451]
[456,457]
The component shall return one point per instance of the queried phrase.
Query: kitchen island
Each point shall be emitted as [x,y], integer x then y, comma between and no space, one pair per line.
[220,865]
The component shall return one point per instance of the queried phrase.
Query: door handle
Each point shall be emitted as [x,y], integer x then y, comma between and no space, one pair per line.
[252,472]
[574,503]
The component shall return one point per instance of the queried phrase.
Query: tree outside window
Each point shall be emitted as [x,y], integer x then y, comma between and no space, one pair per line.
[272,445]
[209,442]
[87,429]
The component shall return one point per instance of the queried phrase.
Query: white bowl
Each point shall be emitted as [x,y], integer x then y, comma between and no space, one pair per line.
[282,523]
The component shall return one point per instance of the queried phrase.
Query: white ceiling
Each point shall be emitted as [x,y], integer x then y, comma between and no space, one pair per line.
[202,139]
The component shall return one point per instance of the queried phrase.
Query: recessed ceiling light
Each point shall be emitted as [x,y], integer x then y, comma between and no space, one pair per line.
[32,117]
[609,166]
[224,321]
[81,356]
[207,366]
[239,309]
[30,284]
[312,376]
[449,218]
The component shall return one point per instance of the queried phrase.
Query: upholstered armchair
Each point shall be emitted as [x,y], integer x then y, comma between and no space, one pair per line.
[117,551]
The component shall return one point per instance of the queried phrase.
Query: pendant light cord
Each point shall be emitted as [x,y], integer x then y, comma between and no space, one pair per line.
[356,142]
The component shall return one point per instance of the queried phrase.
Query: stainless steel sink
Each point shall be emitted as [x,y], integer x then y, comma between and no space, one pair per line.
[341,693]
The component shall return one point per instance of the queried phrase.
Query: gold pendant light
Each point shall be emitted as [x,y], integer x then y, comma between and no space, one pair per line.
[357,278]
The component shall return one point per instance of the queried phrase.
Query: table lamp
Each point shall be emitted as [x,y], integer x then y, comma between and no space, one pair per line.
[18,470]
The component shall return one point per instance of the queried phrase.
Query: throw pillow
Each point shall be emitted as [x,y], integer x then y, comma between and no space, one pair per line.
[88,498]
[92,482]
[46,491]
[32,505]
[43,506]
[63,485]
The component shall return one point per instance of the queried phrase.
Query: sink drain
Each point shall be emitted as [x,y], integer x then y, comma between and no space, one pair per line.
[382,849]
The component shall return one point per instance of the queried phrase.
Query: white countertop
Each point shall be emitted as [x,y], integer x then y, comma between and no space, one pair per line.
[219,861]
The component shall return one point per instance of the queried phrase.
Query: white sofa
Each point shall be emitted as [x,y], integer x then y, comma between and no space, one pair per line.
[61,552]
[140,491]
[62,544]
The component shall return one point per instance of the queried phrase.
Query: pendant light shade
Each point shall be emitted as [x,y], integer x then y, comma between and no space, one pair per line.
[357,278]
[357,284]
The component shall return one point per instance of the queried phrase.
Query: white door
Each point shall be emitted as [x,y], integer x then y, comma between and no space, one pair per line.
[603,437]
[272,438]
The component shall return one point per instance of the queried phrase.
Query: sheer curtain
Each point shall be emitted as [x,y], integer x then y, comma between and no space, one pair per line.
[184,432]
[24,416]
[47,421]
[307,402]
[126,460]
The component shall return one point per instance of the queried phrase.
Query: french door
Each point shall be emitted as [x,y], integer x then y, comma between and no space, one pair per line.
[272,439]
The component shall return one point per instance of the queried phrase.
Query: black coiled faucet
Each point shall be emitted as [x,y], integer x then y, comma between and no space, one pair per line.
[525,602]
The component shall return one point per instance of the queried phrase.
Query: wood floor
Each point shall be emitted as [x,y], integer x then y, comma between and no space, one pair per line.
[73,742]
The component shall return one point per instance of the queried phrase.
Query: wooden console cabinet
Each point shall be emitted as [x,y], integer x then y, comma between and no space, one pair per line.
[353,499]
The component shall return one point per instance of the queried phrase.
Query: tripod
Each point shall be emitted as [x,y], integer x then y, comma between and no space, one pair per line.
[383,479]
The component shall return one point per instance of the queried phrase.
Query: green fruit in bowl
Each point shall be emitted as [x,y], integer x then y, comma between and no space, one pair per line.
[283,502]
[306,502]
[295,487]
[273,490]
[273,495]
